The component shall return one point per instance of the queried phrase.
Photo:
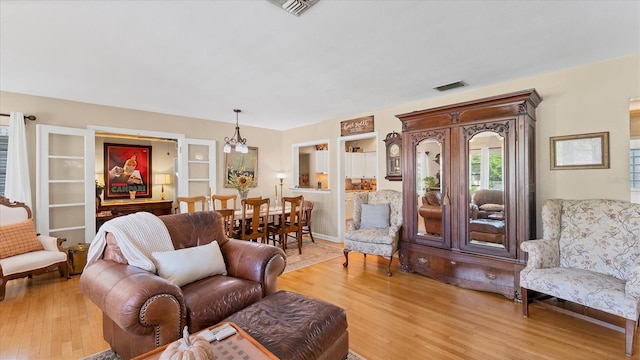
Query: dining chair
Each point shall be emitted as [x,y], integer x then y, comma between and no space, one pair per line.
[307,208]
[191,203]
[228,216]
[224,200]
[290,222]
[255,215]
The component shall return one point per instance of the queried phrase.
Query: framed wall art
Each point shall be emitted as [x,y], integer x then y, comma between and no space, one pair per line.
[583,151]
[238,165]
[127,170]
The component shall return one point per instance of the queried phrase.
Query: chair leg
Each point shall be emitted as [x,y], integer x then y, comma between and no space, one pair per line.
[64,271]
[630,332]
[299,237]
[310,233]
[3,284]
[525,302]
[346,258]
[389,268]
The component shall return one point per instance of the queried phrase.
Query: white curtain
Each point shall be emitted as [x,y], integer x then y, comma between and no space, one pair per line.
[18,185]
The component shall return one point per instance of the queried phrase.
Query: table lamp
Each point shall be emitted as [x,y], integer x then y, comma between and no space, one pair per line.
[163,179]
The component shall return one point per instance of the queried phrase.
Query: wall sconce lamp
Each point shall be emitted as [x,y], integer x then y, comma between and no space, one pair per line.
[163,179]
[238,141]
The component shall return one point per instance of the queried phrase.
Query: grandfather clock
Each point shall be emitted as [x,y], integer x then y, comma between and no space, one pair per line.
[393,143]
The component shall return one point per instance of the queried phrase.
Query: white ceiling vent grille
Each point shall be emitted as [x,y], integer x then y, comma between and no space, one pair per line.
[295,7]
[449,86]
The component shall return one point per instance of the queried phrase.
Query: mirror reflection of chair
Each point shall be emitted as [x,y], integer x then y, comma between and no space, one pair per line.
[431,212]
[290,221]
[193,202]
[307,209]
[228,216]
[376,225]
[23,252]
[222,201]
[255,215]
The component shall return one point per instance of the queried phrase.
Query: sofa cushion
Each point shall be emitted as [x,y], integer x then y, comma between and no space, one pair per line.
[212,299]
[492,207]
[374,216]
[18,238]
[187,265]
[598,291]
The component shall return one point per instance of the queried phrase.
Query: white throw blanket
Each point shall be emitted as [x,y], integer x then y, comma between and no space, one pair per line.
[138,235]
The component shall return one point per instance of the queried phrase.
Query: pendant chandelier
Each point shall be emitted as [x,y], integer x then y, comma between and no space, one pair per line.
[237,141]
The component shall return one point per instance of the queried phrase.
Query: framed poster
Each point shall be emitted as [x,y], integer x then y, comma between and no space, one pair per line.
[583,151]
[127,170]
[237,164]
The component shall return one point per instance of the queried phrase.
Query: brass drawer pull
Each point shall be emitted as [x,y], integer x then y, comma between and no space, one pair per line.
[490,276]
[422,260]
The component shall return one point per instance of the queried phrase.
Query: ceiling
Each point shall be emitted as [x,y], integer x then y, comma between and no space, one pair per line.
[202,58]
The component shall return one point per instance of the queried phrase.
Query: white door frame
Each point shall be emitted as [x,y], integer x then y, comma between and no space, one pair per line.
[341,179]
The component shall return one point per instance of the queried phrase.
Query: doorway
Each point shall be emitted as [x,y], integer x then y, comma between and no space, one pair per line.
[355,173]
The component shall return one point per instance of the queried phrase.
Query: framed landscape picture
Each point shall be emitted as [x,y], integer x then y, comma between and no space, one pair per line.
[127,170]
[583,151]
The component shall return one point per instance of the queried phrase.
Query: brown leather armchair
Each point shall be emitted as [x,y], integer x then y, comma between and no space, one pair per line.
[486,202]
[142,311]
[431,212]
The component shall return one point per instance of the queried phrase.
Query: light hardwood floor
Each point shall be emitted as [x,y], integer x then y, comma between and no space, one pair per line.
[405,316]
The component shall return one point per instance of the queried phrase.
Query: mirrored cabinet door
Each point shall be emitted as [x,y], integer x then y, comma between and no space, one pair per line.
[429,184]
[487,180]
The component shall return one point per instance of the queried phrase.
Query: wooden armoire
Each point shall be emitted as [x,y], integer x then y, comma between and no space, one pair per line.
[482,154]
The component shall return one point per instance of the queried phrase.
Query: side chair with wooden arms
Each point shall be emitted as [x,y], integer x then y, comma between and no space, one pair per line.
[192,202]
[24,252]
[307,208]
[290,222]
[224,200]
[255,216]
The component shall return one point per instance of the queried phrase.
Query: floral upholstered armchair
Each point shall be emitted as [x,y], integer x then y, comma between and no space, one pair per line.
[376,225]
[589,255]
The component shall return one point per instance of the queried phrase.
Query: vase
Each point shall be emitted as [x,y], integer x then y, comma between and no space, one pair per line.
[243,193]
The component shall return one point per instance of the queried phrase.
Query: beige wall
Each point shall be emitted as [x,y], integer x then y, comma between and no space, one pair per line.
[80,115]
[584,99]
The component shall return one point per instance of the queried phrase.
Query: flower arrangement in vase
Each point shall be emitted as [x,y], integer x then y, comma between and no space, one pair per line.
[241,182]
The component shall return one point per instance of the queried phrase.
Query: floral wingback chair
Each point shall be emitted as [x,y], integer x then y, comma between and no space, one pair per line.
[589,255]
[376,225]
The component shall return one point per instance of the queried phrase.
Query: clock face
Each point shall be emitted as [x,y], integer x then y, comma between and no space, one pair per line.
[394,150]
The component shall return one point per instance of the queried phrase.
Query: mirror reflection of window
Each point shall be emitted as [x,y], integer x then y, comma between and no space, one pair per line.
[486,159]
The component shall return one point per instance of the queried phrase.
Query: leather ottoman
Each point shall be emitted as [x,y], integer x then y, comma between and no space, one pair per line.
[487,230]
[294,326]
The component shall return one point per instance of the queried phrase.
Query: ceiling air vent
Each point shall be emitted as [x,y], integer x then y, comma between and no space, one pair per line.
[295,7]
[449,86]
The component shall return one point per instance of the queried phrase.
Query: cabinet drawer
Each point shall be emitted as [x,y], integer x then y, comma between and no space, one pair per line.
[464,271]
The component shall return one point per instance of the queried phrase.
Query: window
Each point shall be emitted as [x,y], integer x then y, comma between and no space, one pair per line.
[4,150]
[634,162]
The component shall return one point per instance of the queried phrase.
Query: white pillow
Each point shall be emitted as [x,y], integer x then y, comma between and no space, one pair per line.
[187,265]
[374,216]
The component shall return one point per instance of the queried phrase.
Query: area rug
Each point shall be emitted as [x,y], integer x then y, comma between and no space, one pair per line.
[312,253]
[110,355]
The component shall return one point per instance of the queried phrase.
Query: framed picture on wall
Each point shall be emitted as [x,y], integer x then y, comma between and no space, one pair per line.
[238,165]
[127,170]
[583,151]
